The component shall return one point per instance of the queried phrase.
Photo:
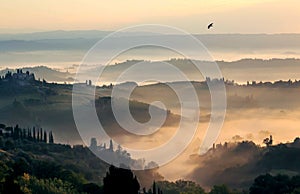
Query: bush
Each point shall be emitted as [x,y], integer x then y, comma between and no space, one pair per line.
[32,185]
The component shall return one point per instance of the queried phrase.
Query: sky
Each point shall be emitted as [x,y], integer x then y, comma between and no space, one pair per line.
[229,16]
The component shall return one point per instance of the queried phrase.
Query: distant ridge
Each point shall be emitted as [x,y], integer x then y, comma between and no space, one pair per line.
[83,40]
[65,34]
[238,70]
[43,72]
[57,34]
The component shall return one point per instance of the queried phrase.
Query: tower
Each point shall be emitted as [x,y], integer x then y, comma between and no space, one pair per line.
[111,146]
[93,145]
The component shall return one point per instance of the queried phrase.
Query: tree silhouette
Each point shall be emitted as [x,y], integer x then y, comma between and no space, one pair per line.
[267,184]
[220,189]
[119,180]
[154,188]
[2,126]
[38,136]
[28,133]
[268,141]
[24,135]
[16,132]
[45,137]
[33,131]
[51,139]
[41,135]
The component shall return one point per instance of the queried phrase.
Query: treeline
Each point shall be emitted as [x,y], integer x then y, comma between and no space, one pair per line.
[120,180]
[279,83]
[279,184]
[32,134]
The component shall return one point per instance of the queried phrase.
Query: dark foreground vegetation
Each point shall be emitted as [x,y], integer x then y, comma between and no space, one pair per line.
[32,163]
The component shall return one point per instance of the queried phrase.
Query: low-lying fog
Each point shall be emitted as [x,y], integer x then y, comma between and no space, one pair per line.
[253,113]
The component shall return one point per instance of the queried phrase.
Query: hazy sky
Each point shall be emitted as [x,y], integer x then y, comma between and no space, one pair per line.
[230,16]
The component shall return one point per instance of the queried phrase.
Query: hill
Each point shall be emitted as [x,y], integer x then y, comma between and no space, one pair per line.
[39,103]
[44,72]
[31,162]
[237,164]
[26,154]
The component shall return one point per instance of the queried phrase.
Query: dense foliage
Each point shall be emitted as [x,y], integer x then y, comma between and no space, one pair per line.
[31,163]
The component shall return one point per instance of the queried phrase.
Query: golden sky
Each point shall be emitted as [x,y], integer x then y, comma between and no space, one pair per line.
[229,16]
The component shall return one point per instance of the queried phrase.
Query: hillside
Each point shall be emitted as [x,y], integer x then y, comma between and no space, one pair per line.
[44,72]
[237,164]
[24,152]
[28,160]
[39,103]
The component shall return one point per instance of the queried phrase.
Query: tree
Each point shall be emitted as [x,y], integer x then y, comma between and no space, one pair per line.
[268,141]
[20,166]
[38,136]
[30,184]
[267,184]
[33,133]
[77,180]
[179,187]
[1,142]
[92,188]
[154,188]
[29,133]
[16,132]
[24,134]
[119,180]
[41,135]
[51,139]
[2,126]
[45,137]
[220,189]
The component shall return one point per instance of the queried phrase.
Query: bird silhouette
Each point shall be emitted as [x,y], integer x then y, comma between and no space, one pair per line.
[210,25]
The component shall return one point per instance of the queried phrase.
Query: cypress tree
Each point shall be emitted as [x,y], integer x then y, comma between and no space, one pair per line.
[154,188]
[33,131]
[16,132]
[38,136]
[45,137]
[41,134]
[11,131]
[24,133]
[30,134]
[20,134]
[51,140]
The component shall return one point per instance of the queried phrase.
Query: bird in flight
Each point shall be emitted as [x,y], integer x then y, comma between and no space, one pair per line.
[210,25]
